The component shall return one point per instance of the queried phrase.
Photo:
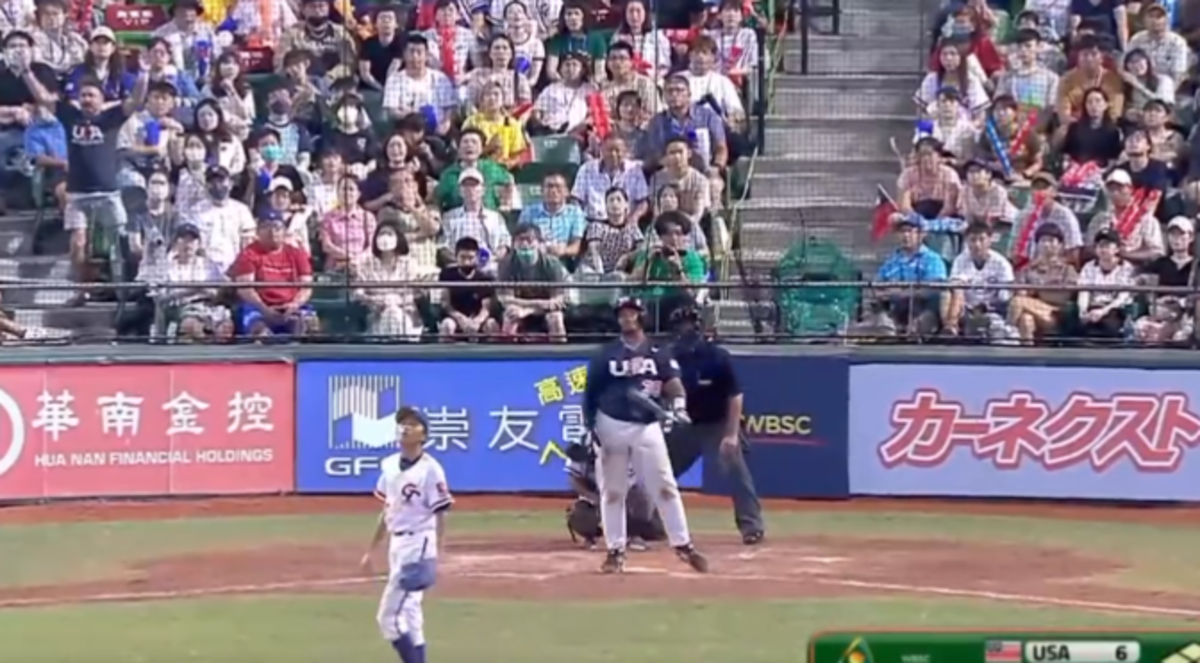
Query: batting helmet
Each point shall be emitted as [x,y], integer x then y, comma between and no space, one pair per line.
[630,303]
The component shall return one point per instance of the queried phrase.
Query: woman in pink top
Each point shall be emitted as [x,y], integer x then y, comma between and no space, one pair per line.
[347,229]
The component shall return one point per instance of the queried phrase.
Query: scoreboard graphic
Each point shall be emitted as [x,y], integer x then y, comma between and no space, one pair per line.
[1011,647]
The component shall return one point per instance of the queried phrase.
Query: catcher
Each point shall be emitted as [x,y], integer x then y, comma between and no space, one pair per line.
[583,516]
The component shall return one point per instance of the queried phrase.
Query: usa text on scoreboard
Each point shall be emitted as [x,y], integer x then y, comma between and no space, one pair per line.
[1082,651]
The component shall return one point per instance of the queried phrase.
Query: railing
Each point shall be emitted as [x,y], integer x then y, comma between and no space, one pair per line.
[596,317]
[809,10]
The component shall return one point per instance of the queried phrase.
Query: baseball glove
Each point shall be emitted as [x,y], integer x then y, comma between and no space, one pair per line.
[583,520]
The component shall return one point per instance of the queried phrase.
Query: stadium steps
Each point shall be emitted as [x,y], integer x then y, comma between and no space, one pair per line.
[828,141]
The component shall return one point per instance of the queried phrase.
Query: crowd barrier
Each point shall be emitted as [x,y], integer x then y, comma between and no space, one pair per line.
[821,424]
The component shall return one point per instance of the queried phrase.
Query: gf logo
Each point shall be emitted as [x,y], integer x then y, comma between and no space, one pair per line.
[408,492]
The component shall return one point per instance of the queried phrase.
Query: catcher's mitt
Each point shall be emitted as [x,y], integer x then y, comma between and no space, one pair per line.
[583,520]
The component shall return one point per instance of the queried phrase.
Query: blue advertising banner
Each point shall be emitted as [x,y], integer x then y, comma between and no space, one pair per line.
[1036,432]
[794,417]
[496,425]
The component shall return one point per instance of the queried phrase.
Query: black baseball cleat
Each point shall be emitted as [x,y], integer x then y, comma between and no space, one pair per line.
[753,538]
[694,559]
[614,562]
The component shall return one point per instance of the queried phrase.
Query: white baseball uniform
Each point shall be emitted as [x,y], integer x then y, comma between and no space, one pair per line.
[413,492]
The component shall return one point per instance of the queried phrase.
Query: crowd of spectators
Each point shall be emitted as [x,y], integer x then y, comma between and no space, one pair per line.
[305,143]
[1055,145]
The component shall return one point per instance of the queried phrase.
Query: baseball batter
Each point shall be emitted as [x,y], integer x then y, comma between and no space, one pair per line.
[625,383]
[412,485]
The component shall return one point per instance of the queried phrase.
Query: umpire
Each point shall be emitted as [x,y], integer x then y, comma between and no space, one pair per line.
[714,403]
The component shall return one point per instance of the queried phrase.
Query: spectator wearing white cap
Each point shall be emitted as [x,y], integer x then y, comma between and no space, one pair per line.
[473,219]
[299,220]
[1130,217]
[1170,317]
[103,63]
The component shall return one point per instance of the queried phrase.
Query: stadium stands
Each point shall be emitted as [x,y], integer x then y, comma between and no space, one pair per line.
[221,142]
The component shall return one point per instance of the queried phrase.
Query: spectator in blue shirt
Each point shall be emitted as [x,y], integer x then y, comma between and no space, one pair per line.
[46,148]
[912,308]
[562,223]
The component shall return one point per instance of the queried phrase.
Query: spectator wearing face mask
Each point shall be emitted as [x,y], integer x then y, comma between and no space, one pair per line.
[1040,312]
[616,238]
[357,145]
[273,310]
[1129,215]
[467,312]
[420,223]
[291,135]
[266,164]
[193,310]
[144,141]
[226,225]
[393,310]
[15,98]
[346,230]
[153,229]
[1102,306]
[532,308]
[219,139]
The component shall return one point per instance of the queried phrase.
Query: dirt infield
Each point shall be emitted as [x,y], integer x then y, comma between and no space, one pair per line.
[553,569]
[274,505]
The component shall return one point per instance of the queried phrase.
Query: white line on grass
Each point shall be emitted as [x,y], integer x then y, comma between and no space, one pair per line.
[1004,597]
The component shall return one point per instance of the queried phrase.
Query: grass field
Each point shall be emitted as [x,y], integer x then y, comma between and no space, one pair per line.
[46,569]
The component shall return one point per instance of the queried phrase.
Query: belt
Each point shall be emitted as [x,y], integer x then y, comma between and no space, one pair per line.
[409,532]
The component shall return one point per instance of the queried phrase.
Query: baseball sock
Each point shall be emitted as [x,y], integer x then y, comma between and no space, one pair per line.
[419,650]
[407,651]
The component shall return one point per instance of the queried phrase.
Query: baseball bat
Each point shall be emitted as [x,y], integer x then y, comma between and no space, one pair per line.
[656,407]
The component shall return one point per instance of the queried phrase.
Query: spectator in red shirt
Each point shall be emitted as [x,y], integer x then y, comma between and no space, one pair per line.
[270,259]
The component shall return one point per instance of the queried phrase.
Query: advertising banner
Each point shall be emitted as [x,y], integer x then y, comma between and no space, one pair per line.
[495,425]
[1036,432]
[105,431]
[795,421]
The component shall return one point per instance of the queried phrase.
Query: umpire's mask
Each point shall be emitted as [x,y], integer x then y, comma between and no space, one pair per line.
[688,327]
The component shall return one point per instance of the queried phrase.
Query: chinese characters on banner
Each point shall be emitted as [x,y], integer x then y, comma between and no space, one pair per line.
[94,431]
[495,425]
[1038,432]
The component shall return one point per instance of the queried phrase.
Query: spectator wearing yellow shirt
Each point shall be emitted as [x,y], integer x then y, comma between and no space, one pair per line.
[505,135]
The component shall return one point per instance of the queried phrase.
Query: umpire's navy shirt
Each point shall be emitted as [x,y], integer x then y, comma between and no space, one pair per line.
[706,371]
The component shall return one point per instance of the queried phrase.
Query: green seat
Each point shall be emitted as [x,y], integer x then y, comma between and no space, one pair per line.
[530,192]
[555,150]
[820,310]
[535,172]
[139,39]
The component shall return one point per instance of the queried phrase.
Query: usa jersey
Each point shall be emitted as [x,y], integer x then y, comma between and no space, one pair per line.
[412,493]
[619,369]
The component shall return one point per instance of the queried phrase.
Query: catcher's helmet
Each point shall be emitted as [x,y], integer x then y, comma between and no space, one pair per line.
[630,303]
[687,313]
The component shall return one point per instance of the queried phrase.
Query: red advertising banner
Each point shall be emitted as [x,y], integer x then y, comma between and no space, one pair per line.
[106,431]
